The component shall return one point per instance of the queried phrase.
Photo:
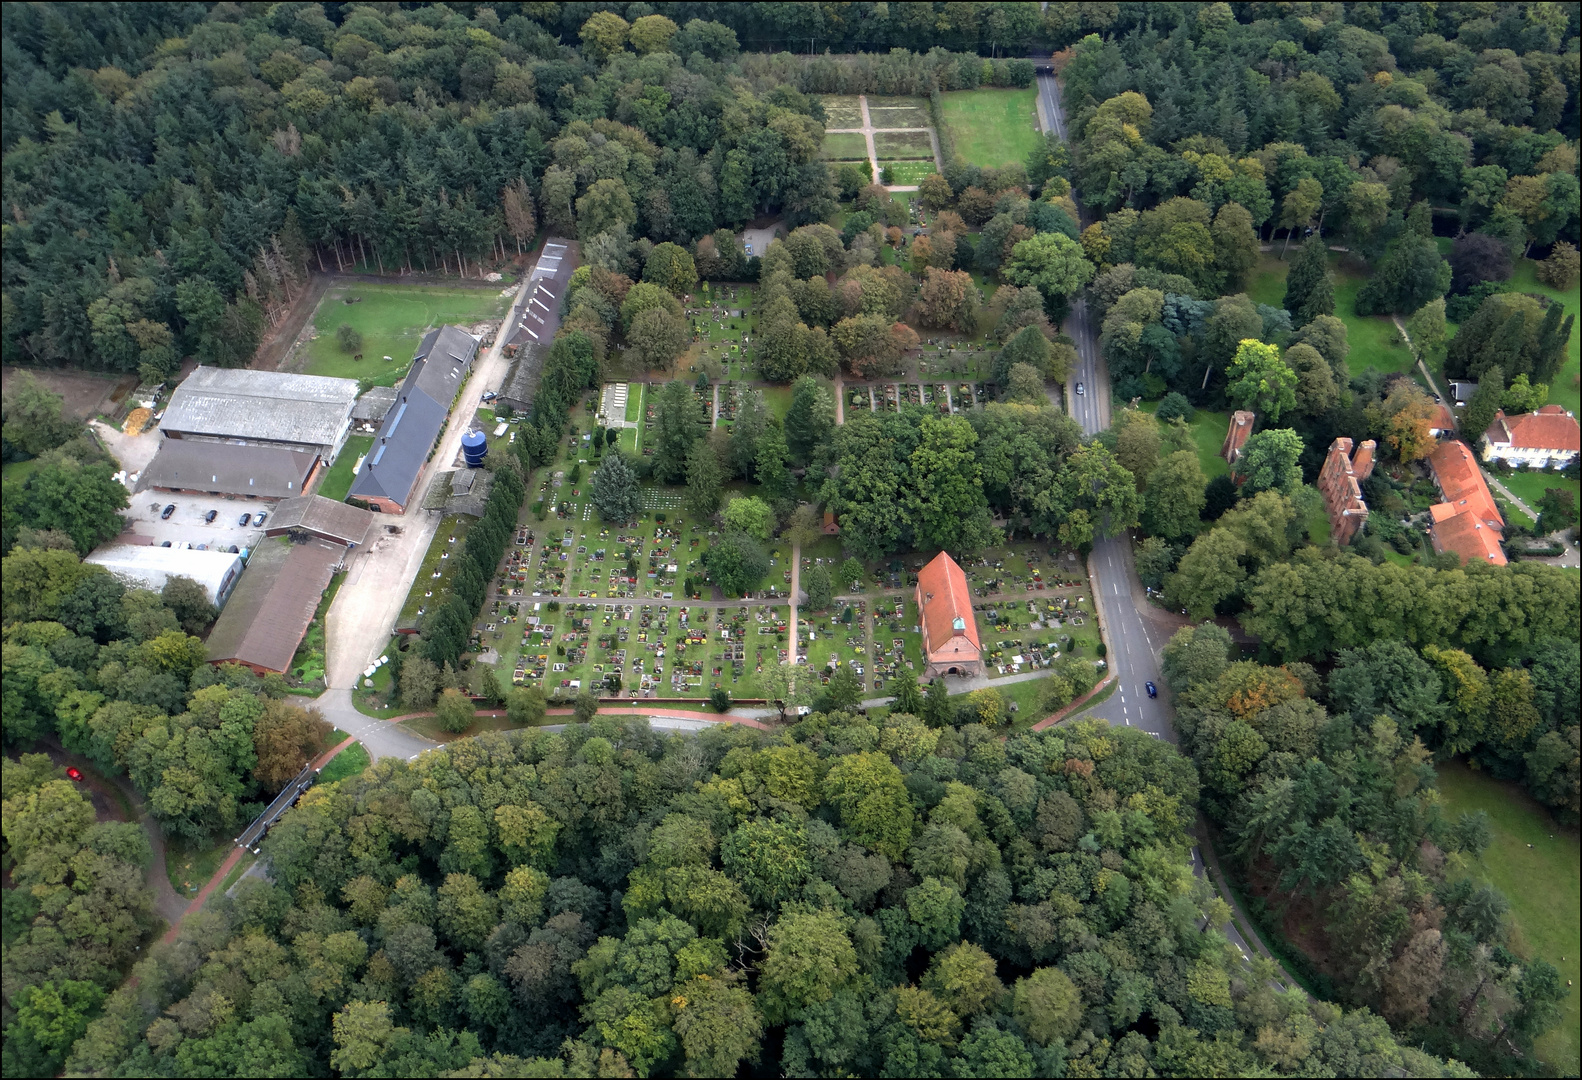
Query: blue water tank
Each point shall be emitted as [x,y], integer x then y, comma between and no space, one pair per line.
[474,448]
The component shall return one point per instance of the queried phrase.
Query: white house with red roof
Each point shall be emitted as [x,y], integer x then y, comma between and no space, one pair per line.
[1548,438]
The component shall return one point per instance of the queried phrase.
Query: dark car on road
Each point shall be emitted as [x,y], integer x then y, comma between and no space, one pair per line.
[165,514]
[259,520]
[1153,691]
[244,519]
[1081,389]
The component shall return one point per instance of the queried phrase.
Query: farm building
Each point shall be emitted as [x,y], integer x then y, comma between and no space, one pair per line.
[309,413]
[149,567]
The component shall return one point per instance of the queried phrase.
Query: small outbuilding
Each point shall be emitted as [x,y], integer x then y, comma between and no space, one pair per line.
[337,522]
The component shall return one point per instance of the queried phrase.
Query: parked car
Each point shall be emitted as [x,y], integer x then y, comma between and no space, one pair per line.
[210,516]
[1081,389]
[169,509]
[244,519]
[165,544]
[1153,691]
[74,772]
[259,519]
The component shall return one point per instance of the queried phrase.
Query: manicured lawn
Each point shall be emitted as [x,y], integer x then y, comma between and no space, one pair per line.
[349,762]
[1529,486]
[338,481]
[391,319]
[992,127]
[845,146]
[1566,389]
[1375,342]
[907,172]
[1537,864]
[433,576]
[906,145]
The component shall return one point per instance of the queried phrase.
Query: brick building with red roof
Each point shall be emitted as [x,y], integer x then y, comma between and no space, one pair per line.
[950,633]
[1467,522]
[1548,438]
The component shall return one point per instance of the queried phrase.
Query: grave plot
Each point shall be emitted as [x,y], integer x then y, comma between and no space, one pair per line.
[897,112]
[895,641]
[907,173]
[897,146]
[841,111]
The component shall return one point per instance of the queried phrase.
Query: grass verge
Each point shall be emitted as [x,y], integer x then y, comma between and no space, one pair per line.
[1537,864]
[338,481]
[349,762]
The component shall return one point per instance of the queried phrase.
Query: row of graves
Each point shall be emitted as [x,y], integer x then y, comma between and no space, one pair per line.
[942,397]
[1021,571]
[889,646]
[1042,620]
[705,396]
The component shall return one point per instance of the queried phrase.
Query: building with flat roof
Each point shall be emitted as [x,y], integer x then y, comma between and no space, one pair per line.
[950,633]
[148,567]
[337,522]
[1467,522]
[1340,482]
[1548,438]
[270,408]
[256,472]
[372,408]
[389,475]
[273,605]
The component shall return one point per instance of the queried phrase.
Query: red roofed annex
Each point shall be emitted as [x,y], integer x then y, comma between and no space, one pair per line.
[950,634]
[1467,522]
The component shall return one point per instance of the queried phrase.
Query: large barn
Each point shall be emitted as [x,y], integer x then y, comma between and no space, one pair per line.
[308,413]
[950,633]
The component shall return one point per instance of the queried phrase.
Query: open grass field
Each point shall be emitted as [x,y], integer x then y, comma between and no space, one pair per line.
[845,146]
[992,127]
[1537,864]
[907,172]
[903,145]
[1374,340]
[1266,285]
[391,319]
[338,481]
[1566,389]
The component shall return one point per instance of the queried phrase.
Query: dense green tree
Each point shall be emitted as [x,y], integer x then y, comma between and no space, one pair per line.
[678,423]
[1310,286]
[615,490]
[736,563]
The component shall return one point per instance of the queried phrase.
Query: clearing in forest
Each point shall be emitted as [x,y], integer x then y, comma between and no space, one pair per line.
[992,128]
[392,320]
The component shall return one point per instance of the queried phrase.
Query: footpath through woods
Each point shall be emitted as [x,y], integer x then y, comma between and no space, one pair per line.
[233,858]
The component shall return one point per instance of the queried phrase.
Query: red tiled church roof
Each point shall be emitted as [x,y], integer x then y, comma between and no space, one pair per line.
[946,600]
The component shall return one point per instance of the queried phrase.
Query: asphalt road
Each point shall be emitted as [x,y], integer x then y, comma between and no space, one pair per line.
[1133,650]
[381,738]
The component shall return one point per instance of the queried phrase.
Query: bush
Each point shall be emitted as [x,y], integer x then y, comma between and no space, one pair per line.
[585,707]
[347,337]
[720,699]
[1175,407]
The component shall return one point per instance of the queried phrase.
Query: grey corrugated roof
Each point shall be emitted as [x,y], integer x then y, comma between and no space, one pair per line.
[273,604]
[373,405]
[239,403]
[322,517]
[267,472]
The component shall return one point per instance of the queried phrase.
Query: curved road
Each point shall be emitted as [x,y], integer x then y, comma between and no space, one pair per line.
[1134,644]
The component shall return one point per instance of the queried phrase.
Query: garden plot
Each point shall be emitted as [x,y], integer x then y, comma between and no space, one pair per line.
[897,112]
[841,111]
[903,145]
[845,145]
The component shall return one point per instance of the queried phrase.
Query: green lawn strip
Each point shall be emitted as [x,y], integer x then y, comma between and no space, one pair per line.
[426,727]
[349,762]
[903,145]
[189,865]
[634,402]
[338,480]
[1025,696]
[391,319]
[437,559]
[845,145]
[1374,340]
[1537,864]
[1318,528]
[1529,486]
[19,471]
[777,399]
[1097,699]
[1566,389]
[992,127]
[907,172]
